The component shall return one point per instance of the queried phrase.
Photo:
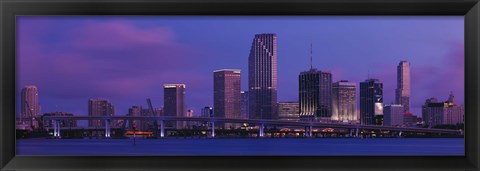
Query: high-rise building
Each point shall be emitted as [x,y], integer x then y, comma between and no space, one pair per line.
[174,103]
[99,107]
[371,102]
[226,94]
[135,111]
[244,104]
[315,95]
[402,93]
[150,124]
[288,111]
[344,101]
[262,77]
[393,115]
[30,106]
[438,113]
[207,112]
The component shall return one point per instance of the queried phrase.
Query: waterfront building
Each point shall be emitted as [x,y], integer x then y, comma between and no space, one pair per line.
[438,113]
[393,115]
[174,104]
[371,102]
[149,124]
[135,111]
[207,112]
[315,95]
[262,77]
[244,104]
[411,120]
[30,106]
[63,123]
[402,93]
[99,107]
[288,111]
[344,101]
[226,94]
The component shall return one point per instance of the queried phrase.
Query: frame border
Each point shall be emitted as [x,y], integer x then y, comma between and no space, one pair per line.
[11,8]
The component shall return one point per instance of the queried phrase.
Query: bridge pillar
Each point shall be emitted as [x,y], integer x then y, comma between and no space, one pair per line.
[162,129]
[310,131]
[107,128]
[56,132]
[55,128]
[213,129]
[356,132]
[400,133]
[261,130]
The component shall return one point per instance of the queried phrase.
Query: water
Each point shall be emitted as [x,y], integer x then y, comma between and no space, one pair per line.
[266,146]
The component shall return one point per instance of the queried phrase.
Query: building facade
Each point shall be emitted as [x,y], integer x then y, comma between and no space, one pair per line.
[315,95]
[174,104]
[262,77]
[30,106]
[226,93]
[344,101]
[371,102]
[288,111]
[99,107]
[244,104]
[402,93]
[207,112]
[393,115]
[135,111]
[440,113]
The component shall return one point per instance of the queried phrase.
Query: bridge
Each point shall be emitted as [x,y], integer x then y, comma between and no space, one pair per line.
[260,122]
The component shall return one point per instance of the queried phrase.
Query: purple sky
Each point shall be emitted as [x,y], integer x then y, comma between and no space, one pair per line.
[128,59]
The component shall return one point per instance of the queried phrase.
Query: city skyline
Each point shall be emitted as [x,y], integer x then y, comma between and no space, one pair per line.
[69,102]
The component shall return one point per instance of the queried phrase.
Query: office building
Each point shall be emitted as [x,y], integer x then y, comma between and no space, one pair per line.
[226,94]
[244,104]
[442,113]
[135,111]
[174,104]
[207,112]
[262,77]
[30,106]
[393,115]
[371,102]
[288,111]
[99,107]
[315,95]
[402,93]
[344,100]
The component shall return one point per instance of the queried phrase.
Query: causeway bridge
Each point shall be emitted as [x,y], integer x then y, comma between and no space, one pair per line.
[309,126]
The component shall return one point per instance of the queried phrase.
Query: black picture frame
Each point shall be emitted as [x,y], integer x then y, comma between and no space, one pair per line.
[11,8]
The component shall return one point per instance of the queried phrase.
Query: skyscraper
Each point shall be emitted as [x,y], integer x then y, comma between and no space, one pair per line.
[262,77]
[244,104]
[344,101]
[402,93]
[393,115]
[174,103]
[207,112]
[371,102]
[30,107]
[99,107]
[226,94]
[135,111]
[315,95]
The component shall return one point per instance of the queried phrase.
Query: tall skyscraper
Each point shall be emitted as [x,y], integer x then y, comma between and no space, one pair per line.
[262,77]
[99,107]
[315,95]
[371,102]
[393,115]
[174,103]
[344,101]
[447,112]
[402,93]
[226,94]
[244,104]
[30,107]
[288,111]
